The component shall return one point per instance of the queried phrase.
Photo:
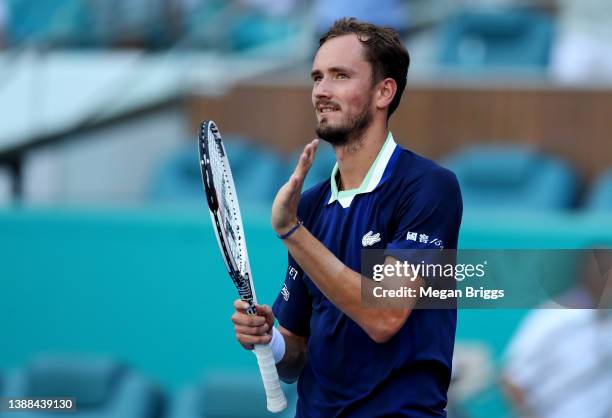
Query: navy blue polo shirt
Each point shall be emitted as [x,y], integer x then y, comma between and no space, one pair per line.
[412,203]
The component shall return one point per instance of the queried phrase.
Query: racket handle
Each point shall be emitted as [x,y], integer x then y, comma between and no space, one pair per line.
[274,394]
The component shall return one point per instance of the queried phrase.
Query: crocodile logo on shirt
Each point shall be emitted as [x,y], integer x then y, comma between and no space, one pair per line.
[370,239]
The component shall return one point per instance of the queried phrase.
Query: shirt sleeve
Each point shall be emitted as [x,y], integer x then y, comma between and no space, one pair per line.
[428,217]
[293,305]
[429,214]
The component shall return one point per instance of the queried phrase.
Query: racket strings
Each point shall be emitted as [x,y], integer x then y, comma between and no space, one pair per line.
[223,184]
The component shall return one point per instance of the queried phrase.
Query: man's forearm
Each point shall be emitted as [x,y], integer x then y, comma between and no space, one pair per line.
[342,286]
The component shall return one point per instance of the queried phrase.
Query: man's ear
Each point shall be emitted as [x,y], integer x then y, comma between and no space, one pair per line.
[386,91]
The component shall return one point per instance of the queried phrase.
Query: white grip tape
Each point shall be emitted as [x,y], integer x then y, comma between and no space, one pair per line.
[275,397]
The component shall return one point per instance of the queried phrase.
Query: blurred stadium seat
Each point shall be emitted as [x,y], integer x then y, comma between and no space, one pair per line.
[254,30]
[481,40]
[48,23]
[258,174]
[203,24]
[102,388]
[513,177]
[216,24]
[600,198]
[228,395]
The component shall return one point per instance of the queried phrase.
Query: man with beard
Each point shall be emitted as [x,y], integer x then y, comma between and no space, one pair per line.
[350,360]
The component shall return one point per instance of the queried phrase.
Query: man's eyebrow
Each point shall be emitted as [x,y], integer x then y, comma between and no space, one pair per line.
[347,70]
[341,70]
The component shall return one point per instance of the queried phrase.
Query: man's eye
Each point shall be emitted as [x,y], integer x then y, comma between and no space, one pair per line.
[342,76]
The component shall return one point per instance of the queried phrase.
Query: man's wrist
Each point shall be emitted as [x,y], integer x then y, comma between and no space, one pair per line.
[286,232]
[277,345]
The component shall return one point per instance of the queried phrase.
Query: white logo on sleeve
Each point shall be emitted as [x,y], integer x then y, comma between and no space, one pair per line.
[424,239]
[285,292]
[411,236]
[370,239]
[438,243]
[292,273]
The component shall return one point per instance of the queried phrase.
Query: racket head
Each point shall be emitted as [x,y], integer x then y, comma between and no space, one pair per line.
[224,208]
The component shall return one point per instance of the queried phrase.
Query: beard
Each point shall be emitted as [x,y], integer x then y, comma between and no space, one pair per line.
[349,131]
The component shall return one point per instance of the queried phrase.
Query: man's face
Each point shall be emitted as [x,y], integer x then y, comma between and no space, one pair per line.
[342,93]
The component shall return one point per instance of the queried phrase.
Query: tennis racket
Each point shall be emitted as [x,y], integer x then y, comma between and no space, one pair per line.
[227,224]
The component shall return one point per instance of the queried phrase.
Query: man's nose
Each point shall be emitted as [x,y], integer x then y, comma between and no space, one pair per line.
[321,89]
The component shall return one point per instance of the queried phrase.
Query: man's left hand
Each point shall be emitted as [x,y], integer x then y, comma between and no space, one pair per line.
[284,208]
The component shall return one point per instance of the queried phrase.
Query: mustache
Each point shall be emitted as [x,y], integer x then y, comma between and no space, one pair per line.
[326,103]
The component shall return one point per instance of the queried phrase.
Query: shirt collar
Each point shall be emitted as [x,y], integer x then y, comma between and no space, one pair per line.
[371,180]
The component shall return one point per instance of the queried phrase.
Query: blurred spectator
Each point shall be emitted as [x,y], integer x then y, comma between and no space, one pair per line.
[559,364]
[391,13]
[583,51]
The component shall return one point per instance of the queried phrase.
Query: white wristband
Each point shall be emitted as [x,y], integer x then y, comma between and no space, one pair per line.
[277,345]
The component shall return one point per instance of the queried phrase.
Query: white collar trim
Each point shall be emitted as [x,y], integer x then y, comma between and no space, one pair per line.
[371,180]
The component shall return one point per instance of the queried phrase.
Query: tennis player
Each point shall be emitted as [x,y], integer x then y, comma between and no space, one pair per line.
[349,360]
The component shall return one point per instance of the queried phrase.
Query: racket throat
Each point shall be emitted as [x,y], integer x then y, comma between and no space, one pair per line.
[243,284]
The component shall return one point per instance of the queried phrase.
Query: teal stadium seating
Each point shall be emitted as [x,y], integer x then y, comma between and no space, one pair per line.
[49,23]
[502,39]
[513,177]
[258,174]
[215,24]
[256,29]
[600,198]
[228,395]
[102,388]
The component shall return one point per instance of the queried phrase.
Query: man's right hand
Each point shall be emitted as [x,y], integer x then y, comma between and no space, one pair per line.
[252,329]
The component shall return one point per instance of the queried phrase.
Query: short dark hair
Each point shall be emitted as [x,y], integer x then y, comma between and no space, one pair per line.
[383,50]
